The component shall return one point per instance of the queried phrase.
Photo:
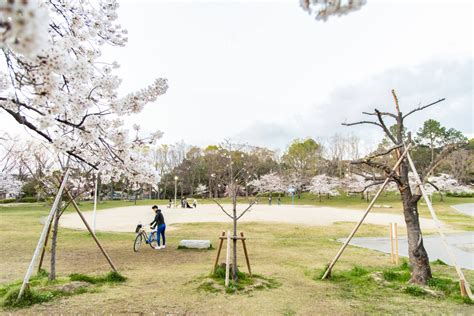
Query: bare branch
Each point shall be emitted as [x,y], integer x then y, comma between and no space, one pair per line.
[381,113]
[423,107]
[222,208]
[368,186]
[247,209]
[384,153]
[441,156]
[384,127]
[361,122]
[380,166]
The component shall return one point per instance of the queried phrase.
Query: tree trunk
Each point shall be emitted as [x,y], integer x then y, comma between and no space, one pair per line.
[54,238]
[419,261]
[234,241]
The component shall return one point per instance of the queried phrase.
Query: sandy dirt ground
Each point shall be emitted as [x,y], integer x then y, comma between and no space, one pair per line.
[125,219]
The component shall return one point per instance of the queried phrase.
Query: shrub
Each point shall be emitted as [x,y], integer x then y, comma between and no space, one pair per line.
[461,194]
[6,201]
[30,199]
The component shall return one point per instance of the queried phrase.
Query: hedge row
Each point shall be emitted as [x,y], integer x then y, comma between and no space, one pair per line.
[27,199]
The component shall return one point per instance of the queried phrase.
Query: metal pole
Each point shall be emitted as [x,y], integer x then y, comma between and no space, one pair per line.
[175,191]
[95,203]
[42,238]
[341,250]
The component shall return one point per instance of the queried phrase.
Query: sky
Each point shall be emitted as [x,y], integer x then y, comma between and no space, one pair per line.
[265,72]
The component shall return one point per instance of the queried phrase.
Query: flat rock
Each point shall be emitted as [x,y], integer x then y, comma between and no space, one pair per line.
[72,286]
[195,244]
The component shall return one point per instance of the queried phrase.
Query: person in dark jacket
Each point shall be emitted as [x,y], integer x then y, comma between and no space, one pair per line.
[159,224]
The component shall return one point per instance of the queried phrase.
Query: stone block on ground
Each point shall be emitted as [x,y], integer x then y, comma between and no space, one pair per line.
[194,244]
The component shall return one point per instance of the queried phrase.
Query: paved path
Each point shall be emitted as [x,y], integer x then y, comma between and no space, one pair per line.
[462,245]
[124,219]
[467,208]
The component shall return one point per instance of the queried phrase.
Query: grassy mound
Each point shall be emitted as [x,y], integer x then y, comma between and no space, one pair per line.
[245,283]
[42,290]
[360,282]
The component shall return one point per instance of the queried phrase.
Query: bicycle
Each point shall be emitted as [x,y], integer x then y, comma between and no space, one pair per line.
[142,235]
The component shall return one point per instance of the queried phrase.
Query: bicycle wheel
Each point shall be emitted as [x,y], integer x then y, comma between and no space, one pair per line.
[153,243]
[137,243]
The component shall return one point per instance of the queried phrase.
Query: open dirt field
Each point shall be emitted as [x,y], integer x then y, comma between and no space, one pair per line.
[124,219]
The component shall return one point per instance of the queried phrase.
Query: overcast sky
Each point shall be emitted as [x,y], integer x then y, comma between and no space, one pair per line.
[264,72]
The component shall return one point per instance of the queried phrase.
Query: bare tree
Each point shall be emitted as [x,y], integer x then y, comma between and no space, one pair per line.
[419,262]
[236,177]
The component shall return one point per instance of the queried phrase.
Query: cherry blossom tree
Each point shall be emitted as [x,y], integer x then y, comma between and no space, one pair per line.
[323,184]
[58,86]
[445,183]
[65,93]
[10,186]
[201,189]
[269,183]
[323,9]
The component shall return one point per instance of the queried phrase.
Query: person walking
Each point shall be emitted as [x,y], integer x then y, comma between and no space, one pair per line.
[159,224]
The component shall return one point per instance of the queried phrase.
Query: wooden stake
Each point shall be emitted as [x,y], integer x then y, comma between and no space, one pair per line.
[227,260]
[392,253]
[246,254]
[341,250]
[91,232]
[462,279]
[40,265]
[42,238]
[218,253]
[395,229]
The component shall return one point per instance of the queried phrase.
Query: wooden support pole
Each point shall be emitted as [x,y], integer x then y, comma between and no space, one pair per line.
[91,232]
[40,265]
[246,254]
[392,248]
[341,250]
[395,230]
[232,238]
[462,280]
[218,253]
[42,238]
[227,260]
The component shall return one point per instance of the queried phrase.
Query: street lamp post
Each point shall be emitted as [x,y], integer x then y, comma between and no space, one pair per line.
[175,190]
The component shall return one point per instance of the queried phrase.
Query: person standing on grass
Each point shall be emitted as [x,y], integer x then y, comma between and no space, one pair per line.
[159,224]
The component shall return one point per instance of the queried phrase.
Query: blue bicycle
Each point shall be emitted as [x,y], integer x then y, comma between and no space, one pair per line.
[142,235]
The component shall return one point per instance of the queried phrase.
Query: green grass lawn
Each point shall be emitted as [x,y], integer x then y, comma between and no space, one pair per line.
[168,281]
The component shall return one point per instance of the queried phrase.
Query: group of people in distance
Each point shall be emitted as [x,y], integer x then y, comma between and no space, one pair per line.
[184,203]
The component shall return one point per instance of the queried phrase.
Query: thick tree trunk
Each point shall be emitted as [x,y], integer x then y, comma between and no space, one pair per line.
[419,261]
